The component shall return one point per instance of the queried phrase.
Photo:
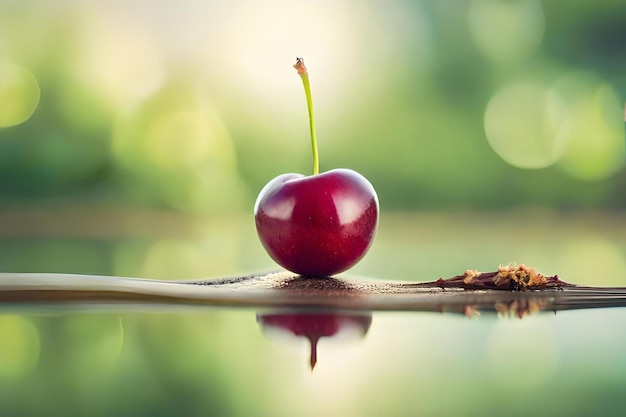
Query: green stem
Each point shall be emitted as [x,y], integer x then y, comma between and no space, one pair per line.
[304,74]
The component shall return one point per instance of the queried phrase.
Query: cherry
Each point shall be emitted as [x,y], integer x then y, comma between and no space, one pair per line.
[314,326]
[316,225]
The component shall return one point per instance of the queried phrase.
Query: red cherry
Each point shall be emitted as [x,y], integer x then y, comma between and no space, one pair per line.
[317,225]
[315,326]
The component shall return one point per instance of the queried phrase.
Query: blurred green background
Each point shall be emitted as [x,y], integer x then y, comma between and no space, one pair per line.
[135,136]
[194,106]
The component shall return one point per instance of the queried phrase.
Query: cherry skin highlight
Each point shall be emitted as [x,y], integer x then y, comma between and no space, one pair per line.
[317,225]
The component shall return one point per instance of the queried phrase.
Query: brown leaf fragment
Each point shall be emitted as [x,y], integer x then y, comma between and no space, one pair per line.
[470,275]
[520,276]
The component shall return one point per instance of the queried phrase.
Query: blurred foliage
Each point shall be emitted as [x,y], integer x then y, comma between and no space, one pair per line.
[194,107]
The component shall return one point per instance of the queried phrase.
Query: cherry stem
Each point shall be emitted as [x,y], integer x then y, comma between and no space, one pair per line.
[313,357]
[304,74]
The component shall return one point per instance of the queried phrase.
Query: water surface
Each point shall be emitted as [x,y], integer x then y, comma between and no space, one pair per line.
[134,360]
[129,359]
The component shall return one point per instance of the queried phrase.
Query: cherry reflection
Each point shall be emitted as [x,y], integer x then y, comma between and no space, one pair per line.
[314,326]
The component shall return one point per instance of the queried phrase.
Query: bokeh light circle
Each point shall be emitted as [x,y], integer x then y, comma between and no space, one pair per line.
[118,56]
[19,94]
[178,151]
[595,141]
[506,30]
[525,125]
[19,346]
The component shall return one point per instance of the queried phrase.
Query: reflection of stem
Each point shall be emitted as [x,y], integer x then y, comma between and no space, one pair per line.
[313,359]
[315,325]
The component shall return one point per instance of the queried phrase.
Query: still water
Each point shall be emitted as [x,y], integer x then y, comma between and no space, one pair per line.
[126,359]
[161,360]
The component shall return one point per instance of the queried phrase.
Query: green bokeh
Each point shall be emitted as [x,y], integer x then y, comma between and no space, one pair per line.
[409,116]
